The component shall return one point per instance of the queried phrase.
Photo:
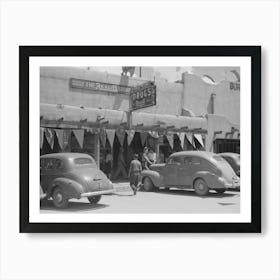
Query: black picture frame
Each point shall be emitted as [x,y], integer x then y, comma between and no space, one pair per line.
[25,52]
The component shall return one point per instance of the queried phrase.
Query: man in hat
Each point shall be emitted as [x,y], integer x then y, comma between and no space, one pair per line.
[134,173]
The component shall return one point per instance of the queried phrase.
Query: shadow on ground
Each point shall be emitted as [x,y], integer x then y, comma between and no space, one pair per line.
[192,193]
[72,206]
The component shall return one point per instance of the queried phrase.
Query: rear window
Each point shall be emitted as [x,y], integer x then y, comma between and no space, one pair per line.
[81,161]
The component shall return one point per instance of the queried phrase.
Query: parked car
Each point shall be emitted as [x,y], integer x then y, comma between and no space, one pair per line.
[198,170]
[65,176]
[234,160]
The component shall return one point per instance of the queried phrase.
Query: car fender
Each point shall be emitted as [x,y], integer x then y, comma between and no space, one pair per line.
[210,178]
[154,176]
[71,188]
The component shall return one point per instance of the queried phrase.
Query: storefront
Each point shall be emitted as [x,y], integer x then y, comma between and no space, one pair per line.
[105,134]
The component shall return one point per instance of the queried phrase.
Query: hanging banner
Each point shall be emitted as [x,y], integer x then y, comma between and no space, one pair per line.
[111,136]
[199,139]
[102,137]
[79,134]
[60,138]
[130,135]
[41,137]
[170,140]
[120,134]
[49,133]
[182,138]
[143,136]
[154,134]
[190,137]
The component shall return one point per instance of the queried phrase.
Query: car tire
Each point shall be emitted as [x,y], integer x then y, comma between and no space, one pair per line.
[59,198]
[220,191]
[200,187]
[148,184]
[94,199]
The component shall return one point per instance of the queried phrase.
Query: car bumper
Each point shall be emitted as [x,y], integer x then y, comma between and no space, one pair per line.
[89,194]
[234,186]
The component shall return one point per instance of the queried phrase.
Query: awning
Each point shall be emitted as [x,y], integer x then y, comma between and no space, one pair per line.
[157,122]
[65,116]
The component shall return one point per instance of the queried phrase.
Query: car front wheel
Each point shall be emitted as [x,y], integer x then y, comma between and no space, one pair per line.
[148,184]
[94,199]
[59,198]
[201,187]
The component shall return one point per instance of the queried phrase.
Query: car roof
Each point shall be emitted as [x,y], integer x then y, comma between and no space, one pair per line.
[66,155]
[202,154]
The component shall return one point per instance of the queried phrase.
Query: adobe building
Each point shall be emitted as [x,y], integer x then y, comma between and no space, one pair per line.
[88,111]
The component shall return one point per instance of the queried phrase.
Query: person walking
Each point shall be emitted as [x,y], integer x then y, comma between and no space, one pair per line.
[134,174]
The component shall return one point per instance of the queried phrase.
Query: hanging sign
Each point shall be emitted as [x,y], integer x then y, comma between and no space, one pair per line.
[59,134]
[190,137]
[102,137]
[143,136]
[120,134]
[199,139]
[142,96]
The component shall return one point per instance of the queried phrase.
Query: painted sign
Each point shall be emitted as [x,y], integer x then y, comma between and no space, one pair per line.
[98,86]
[143,96]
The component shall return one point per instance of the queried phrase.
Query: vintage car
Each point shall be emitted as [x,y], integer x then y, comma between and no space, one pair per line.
[234,160]
[65,176]
[198,170]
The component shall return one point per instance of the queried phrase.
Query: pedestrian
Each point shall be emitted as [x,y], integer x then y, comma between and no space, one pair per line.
[145,159]
[134,174]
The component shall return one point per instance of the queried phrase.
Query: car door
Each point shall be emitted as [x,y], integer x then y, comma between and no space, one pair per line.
[171,171]
[185,172]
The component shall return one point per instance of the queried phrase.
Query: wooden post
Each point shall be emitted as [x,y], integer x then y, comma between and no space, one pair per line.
[97,149]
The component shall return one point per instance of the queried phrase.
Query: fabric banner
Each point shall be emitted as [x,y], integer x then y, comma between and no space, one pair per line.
[42,131]
[111,136]
[60,137]
[182,138]
[170,140]
[102,137]
[79,134]
[199,139]
[49,133]
[130,135]
[143,136]
[190,137]
[120,134]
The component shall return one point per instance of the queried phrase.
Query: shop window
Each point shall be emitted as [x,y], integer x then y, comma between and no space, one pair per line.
[227,145]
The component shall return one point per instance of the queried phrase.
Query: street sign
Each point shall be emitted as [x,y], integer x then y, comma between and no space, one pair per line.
[142,96]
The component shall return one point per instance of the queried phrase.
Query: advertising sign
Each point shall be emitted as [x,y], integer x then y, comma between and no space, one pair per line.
[143,96]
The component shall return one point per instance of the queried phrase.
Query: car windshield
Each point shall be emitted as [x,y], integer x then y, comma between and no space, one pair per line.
[83,161]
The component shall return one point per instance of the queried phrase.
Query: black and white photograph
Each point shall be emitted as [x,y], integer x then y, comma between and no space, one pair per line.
[160,142]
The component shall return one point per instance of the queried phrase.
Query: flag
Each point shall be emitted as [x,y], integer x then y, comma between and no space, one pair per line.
[190,137]
[79,134]
[60,138]
[182,139]
[130,135]
[199,139]
[49,133]
[154,134]
[170,140]
[111,136]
